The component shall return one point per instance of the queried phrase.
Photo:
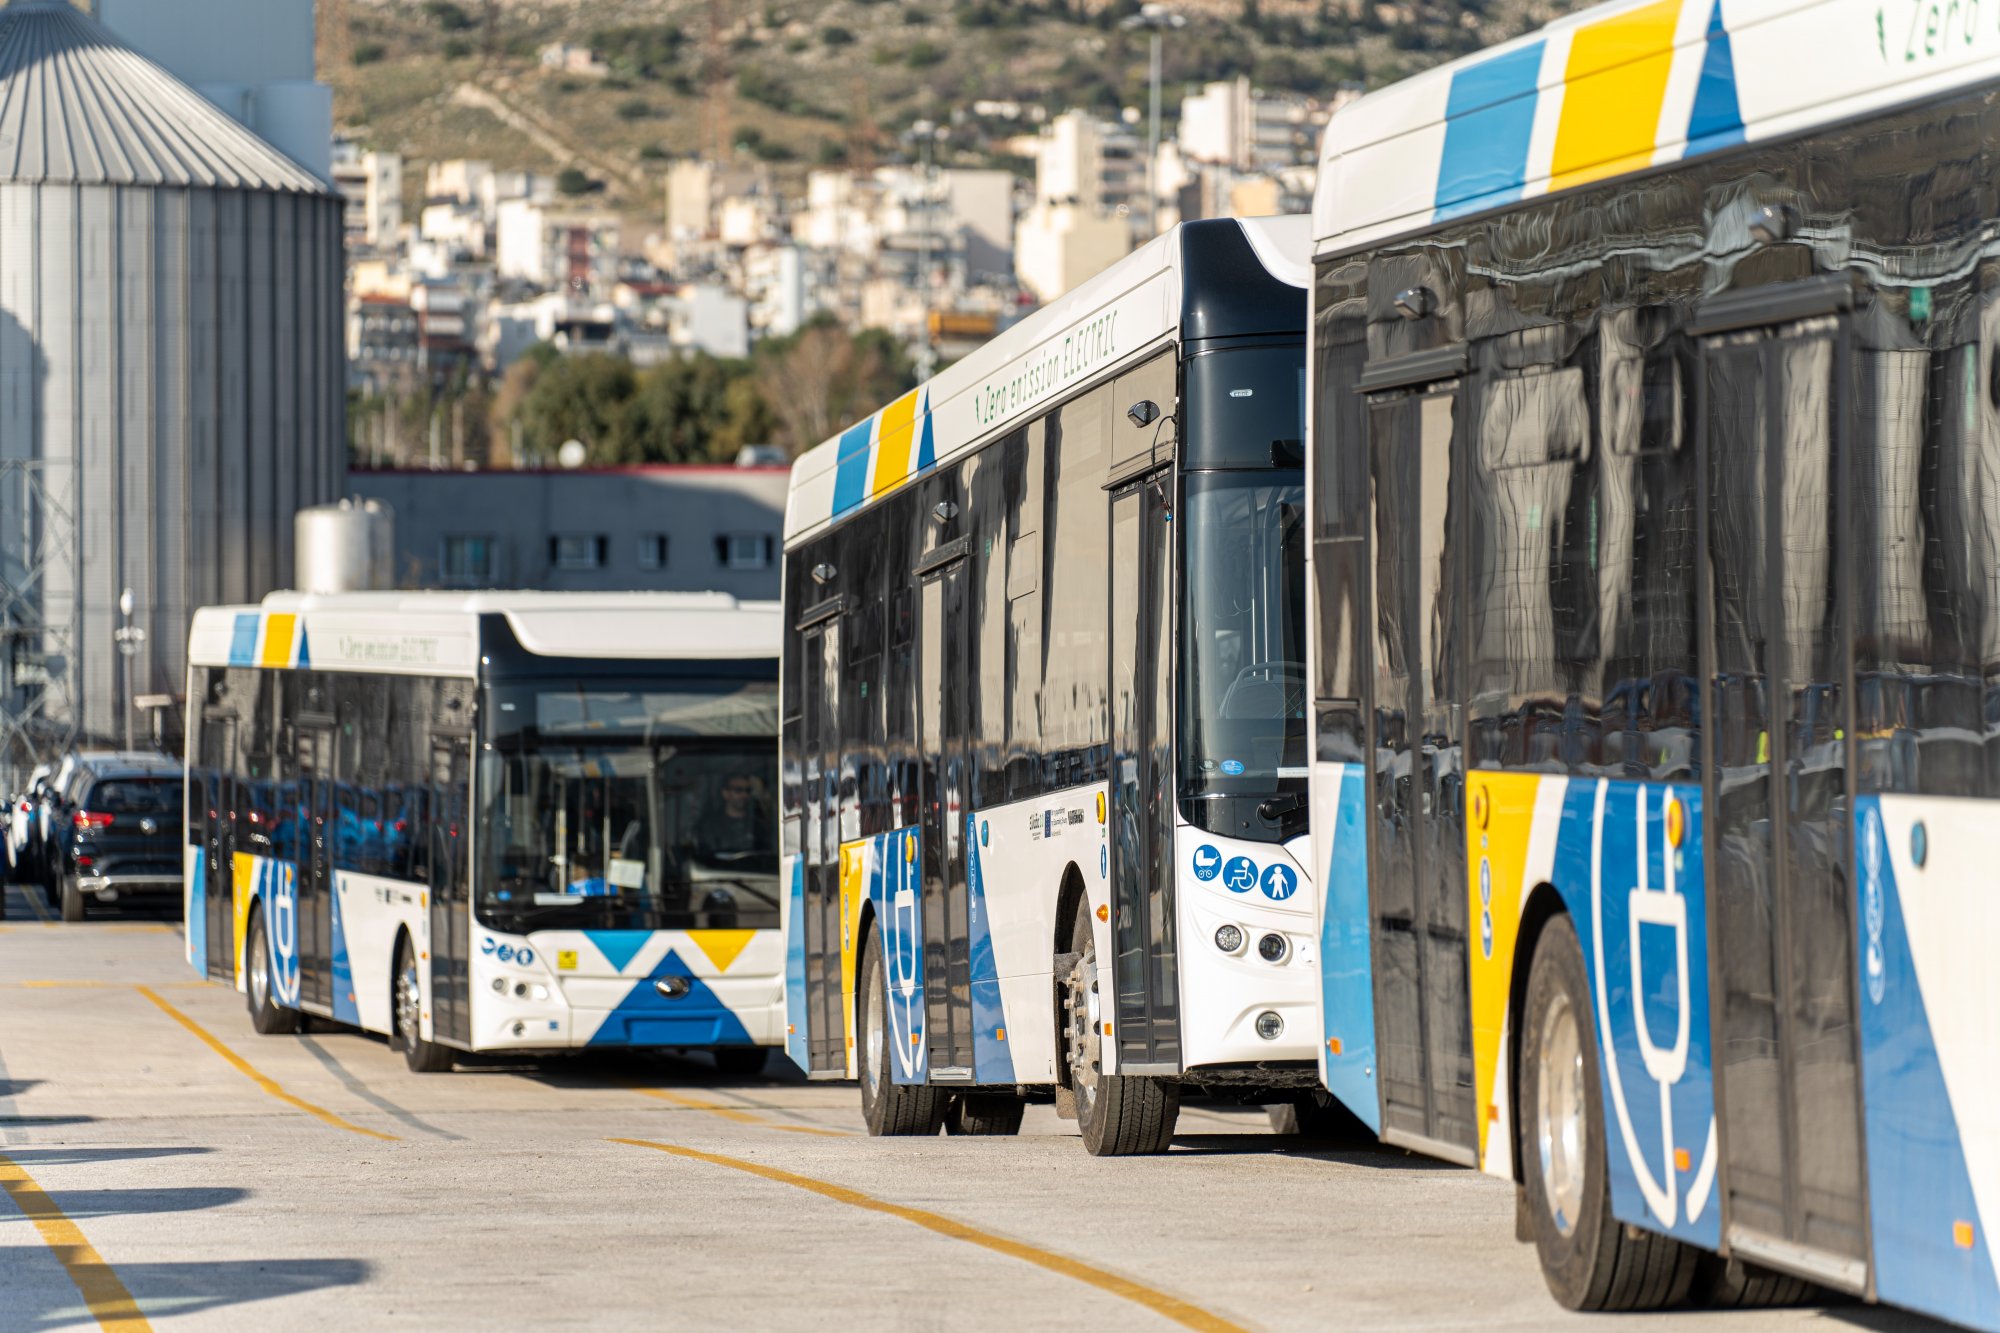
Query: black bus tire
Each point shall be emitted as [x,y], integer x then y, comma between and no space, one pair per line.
[260,990]
[1121,1115]
[406,1017]
[72,899]
[889,1109]
[1723,1284]
[1590,1260]
[985,1113]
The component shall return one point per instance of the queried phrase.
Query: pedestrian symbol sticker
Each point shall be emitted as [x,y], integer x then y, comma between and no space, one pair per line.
[1279,882]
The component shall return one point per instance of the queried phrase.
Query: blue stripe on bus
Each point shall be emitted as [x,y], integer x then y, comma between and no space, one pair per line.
[927,448]
[992,1057]
[1717,119]
[1490,115]
[619,947]
[1347,984]
[647,1018]
[197,913]
[850,480]
[243,641]
[796,1018]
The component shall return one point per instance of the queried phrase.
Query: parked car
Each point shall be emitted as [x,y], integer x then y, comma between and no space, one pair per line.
[117,833]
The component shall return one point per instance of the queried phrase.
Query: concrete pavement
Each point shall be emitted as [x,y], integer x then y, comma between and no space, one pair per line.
[163,1163]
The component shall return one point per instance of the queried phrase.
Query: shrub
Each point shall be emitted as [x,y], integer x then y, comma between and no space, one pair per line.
[368,53]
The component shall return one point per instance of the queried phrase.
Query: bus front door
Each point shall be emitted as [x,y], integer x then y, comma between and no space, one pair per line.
[828,1041]
[213,803]
[1781,913]
[313,878]
[1416,845]
[944,718]
[1145,966]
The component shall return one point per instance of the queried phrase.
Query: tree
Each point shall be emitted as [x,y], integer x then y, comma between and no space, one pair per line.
[573,180]
[823,378]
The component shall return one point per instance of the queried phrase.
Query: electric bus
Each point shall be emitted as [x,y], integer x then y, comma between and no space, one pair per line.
[1044,772]
[1655,502]
[490,821]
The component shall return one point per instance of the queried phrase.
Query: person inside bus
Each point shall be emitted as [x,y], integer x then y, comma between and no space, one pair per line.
[584,879]
[734,822]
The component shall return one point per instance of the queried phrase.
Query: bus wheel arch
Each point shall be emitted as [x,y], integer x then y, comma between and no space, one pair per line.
[267,1016]
[1543,904]
[406,1012]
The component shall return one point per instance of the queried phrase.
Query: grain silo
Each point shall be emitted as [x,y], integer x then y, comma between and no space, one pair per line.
[171,371]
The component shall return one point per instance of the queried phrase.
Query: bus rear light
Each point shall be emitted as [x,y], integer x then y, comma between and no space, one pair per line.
[89,821]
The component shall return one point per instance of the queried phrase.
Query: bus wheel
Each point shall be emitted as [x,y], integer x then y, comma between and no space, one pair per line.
[1731,1284]
[1316,1115]
[1120,1115]
[1590,1260]
[267,1016]
[985,1113]
[740,1061]
[888,1107]
[72,899]
[423,1057]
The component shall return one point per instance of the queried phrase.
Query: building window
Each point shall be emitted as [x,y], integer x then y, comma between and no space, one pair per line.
[745,550]
[470,562]
[574,552]
[653,551]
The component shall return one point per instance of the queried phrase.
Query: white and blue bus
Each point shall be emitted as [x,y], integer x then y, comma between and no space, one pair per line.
[1044,696]
[493,821]
[1655,502]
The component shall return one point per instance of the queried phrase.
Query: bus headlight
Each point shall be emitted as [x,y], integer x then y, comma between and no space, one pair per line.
[1272,948]
[524,990]
[1228,938]
[1269,1026]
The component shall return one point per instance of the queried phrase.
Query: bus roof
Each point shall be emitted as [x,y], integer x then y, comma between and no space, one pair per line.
[1623,87]
[437,633]
[1128,309]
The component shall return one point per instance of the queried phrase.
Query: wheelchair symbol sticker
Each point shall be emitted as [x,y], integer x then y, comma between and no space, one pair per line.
[1279,882]
[1239,874]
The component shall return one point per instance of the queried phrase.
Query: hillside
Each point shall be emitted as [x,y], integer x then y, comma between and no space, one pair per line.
[799,83]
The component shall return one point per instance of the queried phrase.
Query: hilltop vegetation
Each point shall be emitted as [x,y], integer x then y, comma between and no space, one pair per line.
[798,83]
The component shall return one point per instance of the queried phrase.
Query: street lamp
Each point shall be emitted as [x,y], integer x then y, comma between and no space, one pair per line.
[130,638]
[1156,19]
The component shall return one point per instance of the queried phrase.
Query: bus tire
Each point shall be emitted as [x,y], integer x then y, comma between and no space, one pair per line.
[1731,1284]
[260,992]
[1121,1115]
[406,1016]
[740,1061]
[890,1109]
[1316,1115]
[985,1113]
[72,899]
[1590,1260]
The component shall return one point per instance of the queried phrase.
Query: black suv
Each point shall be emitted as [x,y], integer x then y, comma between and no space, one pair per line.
[117,833]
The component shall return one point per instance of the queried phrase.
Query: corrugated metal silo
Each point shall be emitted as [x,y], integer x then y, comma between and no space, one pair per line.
[171,368]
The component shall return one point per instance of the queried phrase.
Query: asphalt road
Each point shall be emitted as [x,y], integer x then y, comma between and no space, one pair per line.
[163,1164]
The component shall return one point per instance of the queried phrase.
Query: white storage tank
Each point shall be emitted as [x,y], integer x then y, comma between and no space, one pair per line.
[172,374]
[345,547]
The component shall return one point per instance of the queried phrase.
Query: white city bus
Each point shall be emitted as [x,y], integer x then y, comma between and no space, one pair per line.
[1044,739]
[493,821]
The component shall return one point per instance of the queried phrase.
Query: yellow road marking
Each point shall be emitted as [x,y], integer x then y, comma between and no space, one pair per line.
[738,1114]
[103,1294]
[1167,1307]
[245,1068]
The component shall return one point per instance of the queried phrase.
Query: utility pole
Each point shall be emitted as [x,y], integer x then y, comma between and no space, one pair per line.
[131,638]
[1156,19]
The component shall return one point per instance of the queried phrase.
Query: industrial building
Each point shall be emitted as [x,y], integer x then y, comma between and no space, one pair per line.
[171,372]
[666,528]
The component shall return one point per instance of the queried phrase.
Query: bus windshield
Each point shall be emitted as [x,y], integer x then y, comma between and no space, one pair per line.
[1242,532]
[629,805]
